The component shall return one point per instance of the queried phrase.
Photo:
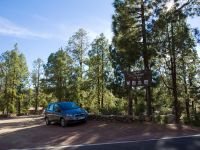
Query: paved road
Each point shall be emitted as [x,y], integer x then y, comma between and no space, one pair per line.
[30,132]
[178,143]
[187,143]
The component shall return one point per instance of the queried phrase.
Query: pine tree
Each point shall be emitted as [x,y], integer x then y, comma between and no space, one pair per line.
[36,80]
[58,71]
[99,66]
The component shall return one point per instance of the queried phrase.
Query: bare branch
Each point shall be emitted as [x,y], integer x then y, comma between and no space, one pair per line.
[181,7]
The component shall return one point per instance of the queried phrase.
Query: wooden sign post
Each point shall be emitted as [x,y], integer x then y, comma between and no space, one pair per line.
[138,78]
[135,79]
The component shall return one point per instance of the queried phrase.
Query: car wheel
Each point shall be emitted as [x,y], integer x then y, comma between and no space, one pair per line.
[85,121]
[63,123]
[47,121]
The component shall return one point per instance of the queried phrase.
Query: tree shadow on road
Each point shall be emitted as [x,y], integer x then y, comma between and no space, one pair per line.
[39,135]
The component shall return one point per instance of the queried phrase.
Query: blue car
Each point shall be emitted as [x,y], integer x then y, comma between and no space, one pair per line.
[65,113]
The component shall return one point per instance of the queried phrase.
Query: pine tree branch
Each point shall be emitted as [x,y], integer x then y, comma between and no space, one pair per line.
[164,81]
[181,7]
[168,66]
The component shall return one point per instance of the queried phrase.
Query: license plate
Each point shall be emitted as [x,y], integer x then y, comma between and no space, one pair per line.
[79,118]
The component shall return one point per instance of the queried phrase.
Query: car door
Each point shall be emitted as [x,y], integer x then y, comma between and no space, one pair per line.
[50,112]
[57,113]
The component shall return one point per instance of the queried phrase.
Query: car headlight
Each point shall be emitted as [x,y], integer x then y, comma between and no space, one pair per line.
[85,111]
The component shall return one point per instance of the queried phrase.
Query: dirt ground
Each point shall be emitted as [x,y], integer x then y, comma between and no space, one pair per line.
[31,132]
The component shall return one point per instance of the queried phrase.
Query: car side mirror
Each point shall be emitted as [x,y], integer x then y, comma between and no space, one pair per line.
[58,110]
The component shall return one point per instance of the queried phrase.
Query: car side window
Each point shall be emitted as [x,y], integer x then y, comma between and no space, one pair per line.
[56,107]
[51,107]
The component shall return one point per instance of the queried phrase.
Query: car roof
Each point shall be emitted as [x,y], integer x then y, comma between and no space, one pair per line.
[64,102]
[60,102]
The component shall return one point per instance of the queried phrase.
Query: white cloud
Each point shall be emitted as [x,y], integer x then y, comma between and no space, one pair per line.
[94,28]
[60,31]
[8,28]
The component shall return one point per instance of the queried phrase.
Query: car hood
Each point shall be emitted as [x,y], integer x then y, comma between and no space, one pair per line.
[74,111]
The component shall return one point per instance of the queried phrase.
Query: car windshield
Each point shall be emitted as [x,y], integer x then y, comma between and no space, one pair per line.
[68,105]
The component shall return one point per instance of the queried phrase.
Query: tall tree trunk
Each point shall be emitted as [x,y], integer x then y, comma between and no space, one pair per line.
[135,101]
[186,91]
[81,71]
[102,95]
[36,101]
[18,107]
[37,89]
[102,78]
[146,59]
[81,60]
[130,101]
[60,88]
[173,74]
[46,97]
[191,84]
[187,106]
[6,95]
[193,107]
[18,100]
[98,89]
[13,88]
[130,96]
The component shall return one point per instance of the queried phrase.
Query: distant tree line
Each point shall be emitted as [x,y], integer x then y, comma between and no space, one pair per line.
[147,36]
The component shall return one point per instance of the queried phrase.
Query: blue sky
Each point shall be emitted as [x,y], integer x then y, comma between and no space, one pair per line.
[41,27]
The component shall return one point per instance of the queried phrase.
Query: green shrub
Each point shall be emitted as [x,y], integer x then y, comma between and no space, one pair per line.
[195,119]
[11,108]
[157,118]
[163,119]
[110,111]
[184,119]
[139,109]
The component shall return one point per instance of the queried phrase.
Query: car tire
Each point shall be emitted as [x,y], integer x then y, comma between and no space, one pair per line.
[47,121]
[63,123]
[85,121]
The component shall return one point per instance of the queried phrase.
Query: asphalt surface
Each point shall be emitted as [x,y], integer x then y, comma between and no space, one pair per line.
[30,133]
[178,143]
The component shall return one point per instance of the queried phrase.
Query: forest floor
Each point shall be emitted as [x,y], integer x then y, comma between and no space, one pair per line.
[31,132]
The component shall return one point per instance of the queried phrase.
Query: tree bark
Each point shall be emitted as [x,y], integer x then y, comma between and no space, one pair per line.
[102,78]
[173,74]
[146,59]
[193,107]
[81,60]
[186,91]
[19,107]
[130,101]
[98,89]
[6,95]
[37,89]
[13,87]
